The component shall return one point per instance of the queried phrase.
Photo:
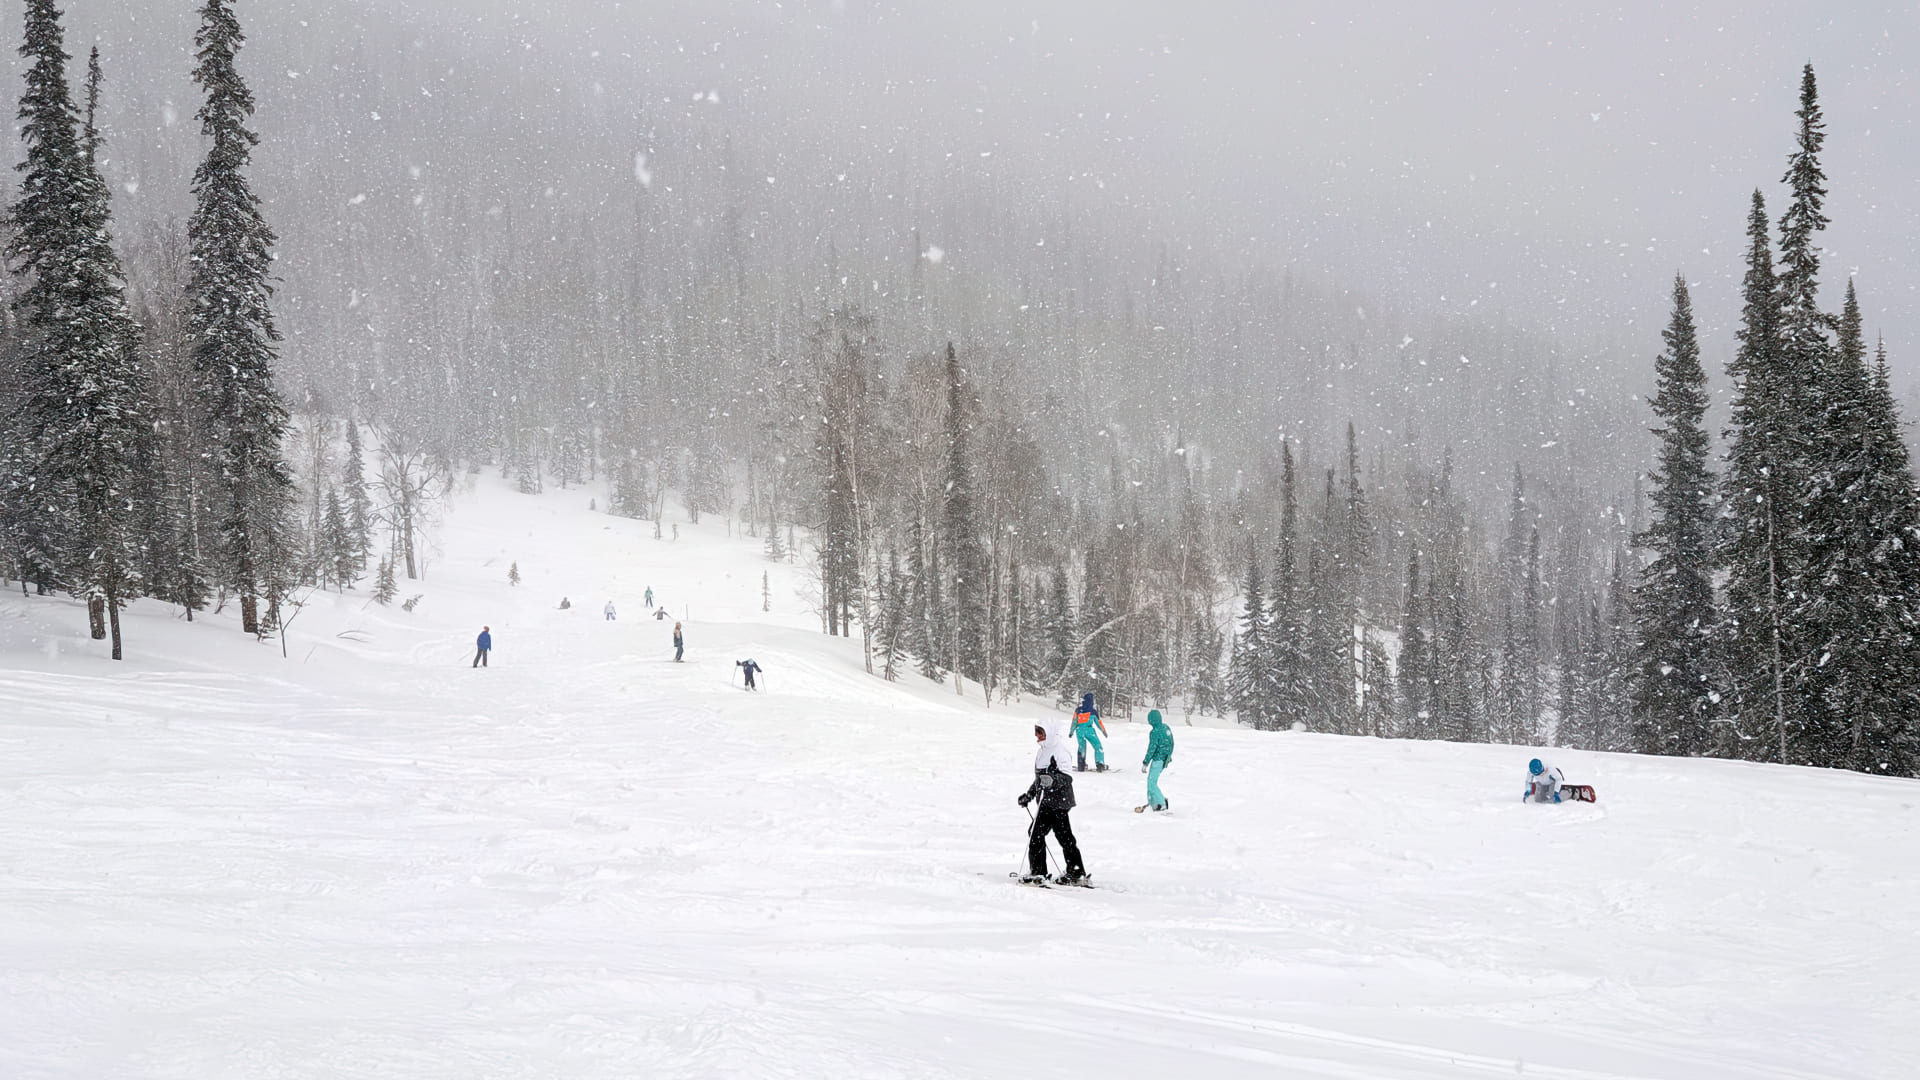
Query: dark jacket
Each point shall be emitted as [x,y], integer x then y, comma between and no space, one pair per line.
[485,640]
[1053,788]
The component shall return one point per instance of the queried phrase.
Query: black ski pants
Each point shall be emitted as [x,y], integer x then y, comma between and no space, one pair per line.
[1052,820]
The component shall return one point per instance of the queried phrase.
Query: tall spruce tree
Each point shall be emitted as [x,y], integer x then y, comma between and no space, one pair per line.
[1246,670]
[359,506]
[1673,603]
[47,242]
[86,412]
[1755,538]
[965,556]
[1885,737]
[231,328]
[1286,683]
[1859,609]
[108,424]
[1414,677]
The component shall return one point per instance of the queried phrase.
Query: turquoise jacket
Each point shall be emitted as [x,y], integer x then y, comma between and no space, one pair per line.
[1160,743]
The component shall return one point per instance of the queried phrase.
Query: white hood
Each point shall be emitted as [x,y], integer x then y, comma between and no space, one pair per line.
[1058,745]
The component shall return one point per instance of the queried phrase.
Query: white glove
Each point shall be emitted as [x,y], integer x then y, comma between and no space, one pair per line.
[1143,768]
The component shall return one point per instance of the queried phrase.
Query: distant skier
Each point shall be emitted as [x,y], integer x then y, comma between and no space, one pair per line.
[649,598]
[609,611]
[565,603]
[1054,789]
[484,645]
[660,615]
[679,644]
[1543,782]
[748,667]
[1159,756]
[1084,723]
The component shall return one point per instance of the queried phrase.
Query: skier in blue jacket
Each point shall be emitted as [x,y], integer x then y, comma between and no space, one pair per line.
[1159,756]
[484,645]
[1084,723]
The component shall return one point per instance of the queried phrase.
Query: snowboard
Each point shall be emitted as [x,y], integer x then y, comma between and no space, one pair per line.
[1579,792]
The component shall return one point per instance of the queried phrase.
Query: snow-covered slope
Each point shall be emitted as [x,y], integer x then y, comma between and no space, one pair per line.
[369,859]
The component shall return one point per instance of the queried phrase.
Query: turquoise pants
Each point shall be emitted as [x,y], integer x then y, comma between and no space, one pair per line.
[1154,798]
[1086,734]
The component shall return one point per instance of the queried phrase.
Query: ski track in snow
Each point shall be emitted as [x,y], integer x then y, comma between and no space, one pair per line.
[587,861]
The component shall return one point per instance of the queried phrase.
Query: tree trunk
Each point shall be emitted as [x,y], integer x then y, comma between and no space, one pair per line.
[113,616]
[97,617]
[249,613]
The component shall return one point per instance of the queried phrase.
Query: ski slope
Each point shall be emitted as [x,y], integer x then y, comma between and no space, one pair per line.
[370,860]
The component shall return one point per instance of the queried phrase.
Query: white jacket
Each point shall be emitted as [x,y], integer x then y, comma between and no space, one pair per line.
[1544,787]
[1058,745]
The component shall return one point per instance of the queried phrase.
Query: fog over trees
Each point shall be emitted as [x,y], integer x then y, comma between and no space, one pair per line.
[1046,406]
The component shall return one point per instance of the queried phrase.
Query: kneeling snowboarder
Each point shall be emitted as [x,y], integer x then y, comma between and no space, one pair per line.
[1054,789]
[1546,784]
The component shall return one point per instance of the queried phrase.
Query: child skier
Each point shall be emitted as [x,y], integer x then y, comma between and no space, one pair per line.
[1543,783]
[679,644]
[1084,722]
[649,596]
[609,611]
[1159,756]
[748,667]
[1054,789]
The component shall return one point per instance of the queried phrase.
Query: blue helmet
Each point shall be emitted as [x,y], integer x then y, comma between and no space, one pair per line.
[1535,767]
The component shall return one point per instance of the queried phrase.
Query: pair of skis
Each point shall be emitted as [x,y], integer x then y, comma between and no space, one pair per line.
[1048,883]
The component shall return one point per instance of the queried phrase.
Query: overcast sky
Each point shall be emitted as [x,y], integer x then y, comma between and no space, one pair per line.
[1557,166]
[1555,161]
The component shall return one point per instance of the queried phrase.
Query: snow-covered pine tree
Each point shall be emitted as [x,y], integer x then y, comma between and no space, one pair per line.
[1511,722]
[1374,710]
[344,565]
[231,326]
[1570,605]
[1759,487]
[1673,608]
[87,411]
[1886,737]
[384,587]
[1208,692]
[1458,709]
[358,505]
[1530,676]
[924,633]
[1287,679]
[110,414]
[1616,659]
[1828,395]
[1247,684]
[1861,570]
[960,527]
[893,621]
[47,221]
[1414,677]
